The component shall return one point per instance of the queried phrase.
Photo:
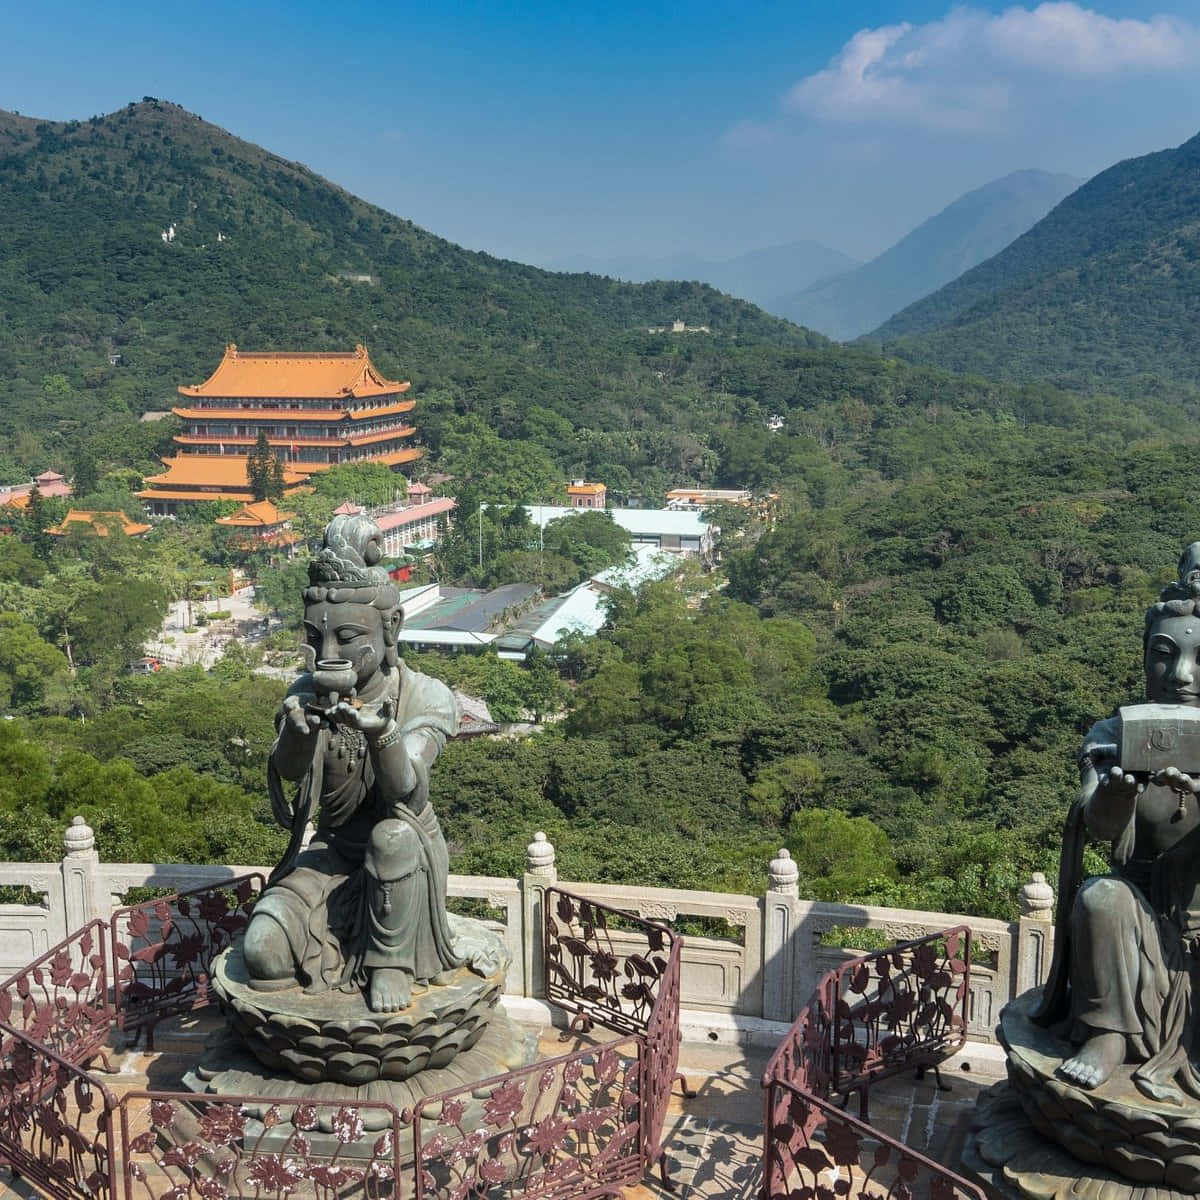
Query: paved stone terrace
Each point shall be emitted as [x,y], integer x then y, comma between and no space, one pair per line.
[714,1140]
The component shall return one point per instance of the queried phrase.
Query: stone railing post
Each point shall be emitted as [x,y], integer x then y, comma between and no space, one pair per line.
[540,873]
[81,877]
[1035,933]
[779,940]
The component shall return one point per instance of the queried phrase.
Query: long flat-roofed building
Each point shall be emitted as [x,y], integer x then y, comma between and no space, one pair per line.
[318,410]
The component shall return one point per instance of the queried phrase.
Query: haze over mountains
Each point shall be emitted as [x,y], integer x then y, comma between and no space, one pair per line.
[1103,294]
[760,276]
[963,234]
[826,290]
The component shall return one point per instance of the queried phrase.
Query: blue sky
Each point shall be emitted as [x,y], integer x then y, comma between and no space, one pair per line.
[541,131]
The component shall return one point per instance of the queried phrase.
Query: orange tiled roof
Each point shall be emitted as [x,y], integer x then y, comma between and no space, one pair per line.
[20,500]
[99,522]
[585,489]
[384,410]
[282,374]
[367,439]
[212,470]
[392,459]
[257,515]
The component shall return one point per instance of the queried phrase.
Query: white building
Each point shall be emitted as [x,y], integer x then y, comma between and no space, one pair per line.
[674,530]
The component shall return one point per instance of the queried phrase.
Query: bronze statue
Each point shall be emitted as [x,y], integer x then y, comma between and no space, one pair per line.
[1126,943]
[363,905]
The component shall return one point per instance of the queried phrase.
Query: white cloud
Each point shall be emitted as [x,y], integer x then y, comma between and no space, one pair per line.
[968,71]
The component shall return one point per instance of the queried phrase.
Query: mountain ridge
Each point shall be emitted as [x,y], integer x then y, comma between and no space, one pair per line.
[1102,294]
[756,275]
[967,231]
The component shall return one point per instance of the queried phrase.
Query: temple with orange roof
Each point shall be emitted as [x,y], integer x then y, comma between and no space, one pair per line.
[262,524]
[99,523]
[318,410]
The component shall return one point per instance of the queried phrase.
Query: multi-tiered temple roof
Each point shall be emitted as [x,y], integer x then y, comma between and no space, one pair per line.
[317,410]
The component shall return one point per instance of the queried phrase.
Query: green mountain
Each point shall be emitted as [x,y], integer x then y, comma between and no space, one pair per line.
[759,276]
[1103,294]
[153,235]
[940,249]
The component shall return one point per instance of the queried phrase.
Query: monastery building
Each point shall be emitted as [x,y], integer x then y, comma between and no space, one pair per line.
[318,410]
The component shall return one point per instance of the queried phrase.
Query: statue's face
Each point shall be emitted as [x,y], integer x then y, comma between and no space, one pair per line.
[347,630]
[1173,661]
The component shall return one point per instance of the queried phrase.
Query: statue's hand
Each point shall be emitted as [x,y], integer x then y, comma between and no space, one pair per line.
[1177,781]
[371,719]
[1120,788]
[296,716]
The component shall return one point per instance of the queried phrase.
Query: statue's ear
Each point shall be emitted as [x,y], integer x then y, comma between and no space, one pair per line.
[392,623]
[391,630]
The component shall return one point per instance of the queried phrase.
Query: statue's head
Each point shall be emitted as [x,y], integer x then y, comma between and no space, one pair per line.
[351,608]
[1171,640]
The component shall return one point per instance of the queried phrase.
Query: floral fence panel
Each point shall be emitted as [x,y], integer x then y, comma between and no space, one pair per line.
[55,1121]
[163,949]
[186,1147]
[602,963]
[903,1007]
[812,1149]
[61,1000]
[661,1062]
[570,1126]
[805,1057]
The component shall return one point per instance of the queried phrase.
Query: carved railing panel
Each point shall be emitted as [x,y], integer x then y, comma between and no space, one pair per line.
[901,1007]
[163,949]
[61,1000]
[586,972]
[813,1149]
[567,1127]
[182,1146]
[56,1126]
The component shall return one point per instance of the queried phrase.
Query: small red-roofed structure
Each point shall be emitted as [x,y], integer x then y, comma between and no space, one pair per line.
[586,495]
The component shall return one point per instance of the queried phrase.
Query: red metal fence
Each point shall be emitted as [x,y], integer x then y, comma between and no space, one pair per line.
[901,1008]
[163,949]
[580,1125]
[61,1001]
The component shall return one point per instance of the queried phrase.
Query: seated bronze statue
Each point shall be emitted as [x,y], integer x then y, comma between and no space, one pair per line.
[363,904]
[1121,983]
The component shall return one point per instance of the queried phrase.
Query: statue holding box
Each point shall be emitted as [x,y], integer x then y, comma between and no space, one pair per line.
[1102,1095]
[1126,943]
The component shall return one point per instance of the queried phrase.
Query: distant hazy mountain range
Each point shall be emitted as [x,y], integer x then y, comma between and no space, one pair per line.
[761,276]
[1103,294]
[970,230]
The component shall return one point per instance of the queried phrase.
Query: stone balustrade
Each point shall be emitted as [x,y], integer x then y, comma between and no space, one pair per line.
[746,959]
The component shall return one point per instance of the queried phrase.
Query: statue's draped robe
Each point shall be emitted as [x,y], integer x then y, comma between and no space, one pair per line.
[344,908]
[1126,945]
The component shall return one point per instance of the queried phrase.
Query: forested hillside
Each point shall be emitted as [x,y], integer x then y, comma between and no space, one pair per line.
[890,679]
[265,253]
[1103,294]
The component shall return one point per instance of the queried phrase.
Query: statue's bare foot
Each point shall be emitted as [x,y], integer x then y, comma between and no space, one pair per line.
[1097,1059]
[391,989]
